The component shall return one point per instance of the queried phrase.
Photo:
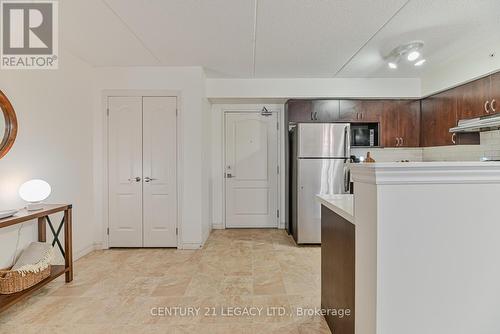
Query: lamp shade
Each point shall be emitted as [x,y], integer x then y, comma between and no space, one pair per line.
[34,191]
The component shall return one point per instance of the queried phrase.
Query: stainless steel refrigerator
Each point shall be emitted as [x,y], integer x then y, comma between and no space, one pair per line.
[319,156]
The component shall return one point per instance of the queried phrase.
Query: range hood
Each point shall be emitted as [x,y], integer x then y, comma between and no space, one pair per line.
[485,123]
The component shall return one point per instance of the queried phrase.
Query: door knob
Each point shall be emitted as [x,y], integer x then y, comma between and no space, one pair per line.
[136,179]
[148,179]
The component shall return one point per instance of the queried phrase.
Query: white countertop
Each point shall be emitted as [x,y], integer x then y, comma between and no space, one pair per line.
[442,172]
[343,205]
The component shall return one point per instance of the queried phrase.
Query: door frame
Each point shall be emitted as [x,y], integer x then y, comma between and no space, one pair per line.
[105,95]
[254,110]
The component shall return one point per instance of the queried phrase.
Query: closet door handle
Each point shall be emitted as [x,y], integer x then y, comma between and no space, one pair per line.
[136,179]
[148,179]
[493,102]
[486,107]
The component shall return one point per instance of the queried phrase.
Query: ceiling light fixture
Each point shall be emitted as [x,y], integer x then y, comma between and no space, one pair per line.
[392,65]
[420,62]
[414,55]
[411,52]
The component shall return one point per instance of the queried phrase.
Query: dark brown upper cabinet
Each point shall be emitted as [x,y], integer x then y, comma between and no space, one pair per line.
[326,110]
[301,111]
[473,99]
[363,111]
[495,92]
[439,114]
[400,123]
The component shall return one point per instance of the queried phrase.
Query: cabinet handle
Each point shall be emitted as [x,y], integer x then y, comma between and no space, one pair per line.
[453,138]
[402,141]
[361,115]
[315,115]
[493,102]
[312,116]
[397,141]
[486,107]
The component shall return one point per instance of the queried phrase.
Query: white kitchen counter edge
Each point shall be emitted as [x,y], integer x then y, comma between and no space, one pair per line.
[427,172]
[343,205]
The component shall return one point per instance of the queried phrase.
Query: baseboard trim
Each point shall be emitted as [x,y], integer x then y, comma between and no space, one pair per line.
[89,249]
[188,246]
[218,226]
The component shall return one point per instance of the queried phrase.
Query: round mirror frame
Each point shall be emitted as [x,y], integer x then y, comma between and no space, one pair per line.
[7,111]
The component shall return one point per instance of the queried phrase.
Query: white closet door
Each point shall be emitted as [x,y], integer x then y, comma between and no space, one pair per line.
[251,170]
[125,171]
[160,161]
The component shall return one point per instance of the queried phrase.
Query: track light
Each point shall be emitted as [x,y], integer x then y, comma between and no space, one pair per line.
[410,52]
[413,55]
[392,65]
[420,62]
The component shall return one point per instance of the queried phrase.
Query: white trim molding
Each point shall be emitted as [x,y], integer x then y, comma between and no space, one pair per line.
[427,173]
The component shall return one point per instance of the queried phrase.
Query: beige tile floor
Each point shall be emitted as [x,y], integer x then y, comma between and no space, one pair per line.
[115,290]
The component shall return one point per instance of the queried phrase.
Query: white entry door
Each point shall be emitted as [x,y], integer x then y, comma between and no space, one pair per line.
[160,175]
[251,170]
[125,171]
[142,172]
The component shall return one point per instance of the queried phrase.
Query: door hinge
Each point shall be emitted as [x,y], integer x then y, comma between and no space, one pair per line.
[277,126]
[278,213]
[107,112]
[176,231]
[278,169]
[107,231]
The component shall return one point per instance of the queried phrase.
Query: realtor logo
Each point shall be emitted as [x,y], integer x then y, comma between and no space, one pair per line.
[29,34]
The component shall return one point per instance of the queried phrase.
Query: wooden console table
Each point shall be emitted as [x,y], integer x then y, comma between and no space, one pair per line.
[43,217]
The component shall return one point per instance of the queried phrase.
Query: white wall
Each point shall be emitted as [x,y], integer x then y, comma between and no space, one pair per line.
[189,81]
[313,88]
[54,143]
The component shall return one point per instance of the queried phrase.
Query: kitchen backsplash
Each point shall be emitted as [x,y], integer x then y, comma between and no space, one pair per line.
[390,154]
[489,148]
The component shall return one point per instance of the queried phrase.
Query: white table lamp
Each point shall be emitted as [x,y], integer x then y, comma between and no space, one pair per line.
[34,192]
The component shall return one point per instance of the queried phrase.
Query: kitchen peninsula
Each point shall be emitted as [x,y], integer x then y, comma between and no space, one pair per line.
[417,243]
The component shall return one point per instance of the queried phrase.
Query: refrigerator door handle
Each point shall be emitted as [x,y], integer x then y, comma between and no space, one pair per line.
[347,141]
[347,178]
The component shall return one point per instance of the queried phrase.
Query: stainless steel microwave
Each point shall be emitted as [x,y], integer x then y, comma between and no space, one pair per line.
[364,135]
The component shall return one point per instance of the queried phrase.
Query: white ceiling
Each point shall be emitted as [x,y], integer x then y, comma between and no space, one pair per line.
[274,38]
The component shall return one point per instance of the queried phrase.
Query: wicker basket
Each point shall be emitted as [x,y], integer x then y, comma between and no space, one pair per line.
[13,281]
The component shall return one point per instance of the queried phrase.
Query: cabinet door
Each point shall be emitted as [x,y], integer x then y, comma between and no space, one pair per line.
[439,114]
[473,99]
[361,110]
[389,124]
[325,110]
[300,111]
[349,111]
[409,123]
[495,92]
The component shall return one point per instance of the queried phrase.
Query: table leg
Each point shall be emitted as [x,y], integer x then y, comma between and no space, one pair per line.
[42,230]
[68,246]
